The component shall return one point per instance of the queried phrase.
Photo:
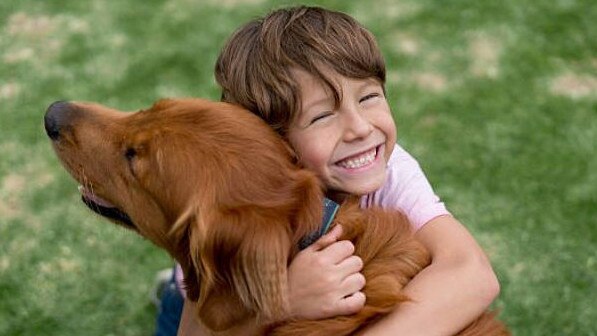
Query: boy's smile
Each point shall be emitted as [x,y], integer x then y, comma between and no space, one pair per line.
[360,160]
[346,144]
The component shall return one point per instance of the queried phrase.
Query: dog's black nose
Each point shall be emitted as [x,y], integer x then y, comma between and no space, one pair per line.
[55,118]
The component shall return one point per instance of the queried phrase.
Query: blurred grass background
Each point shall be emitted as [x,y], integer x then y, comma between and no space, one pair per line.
[497,100]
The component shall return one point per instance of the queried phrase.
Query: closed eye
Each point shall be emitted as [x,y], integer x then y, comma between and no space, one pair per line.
[369,96]
[130,154]
[320,117]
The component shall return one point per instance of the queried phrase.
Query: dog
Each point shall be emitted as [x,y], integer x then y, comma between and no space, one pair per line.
[220,191]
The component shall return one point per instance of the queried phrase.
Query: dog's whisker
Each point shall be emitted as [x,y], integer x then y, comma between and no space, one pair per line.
[88,186]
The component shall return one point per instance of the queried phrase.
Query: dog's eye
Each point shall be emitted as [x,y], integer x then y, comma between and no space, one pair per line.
[130,153]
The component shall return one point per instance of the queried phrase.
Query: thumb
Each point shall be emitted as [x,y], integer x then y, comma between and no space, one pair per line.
[327,239]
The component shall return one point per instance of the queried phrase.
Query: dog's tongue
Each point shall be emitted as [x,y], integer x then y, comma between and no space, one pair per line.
[94,198]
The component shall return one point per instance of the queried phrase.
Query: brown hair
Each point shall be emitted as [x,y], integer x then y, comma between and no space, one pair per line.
[254,67]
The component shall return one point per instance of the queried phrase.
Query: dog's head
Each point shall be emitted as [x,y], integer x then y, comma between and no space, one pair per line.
[209,182]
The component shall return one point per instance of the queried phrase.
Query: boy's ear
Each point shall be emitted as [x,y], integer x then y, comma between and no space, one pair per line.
[241,258]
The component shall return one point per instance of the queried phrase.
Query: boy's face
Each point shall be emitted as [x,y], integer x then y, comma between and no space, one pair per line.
[347,146]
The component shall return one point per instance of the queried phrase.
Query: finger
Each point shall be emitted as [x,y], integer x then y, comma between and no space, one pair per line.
[337,252]
[352,284]
[327,239]
[351,304]
[351,265]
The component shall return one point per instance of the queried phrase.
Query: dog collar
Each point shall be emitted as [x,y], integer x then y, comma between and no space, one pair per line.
[330,208]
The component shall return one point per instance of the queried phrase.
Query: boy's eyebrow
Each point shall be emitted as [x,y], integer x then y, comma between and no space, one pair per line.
[368,82]
[315,102]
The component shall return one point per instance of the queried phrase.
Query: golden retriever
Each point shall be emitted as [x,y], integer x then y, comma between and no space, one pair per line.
[218,189]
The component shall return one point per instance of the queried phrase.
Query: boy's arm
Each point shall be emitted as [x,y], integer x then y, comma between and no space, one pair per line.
[451,292]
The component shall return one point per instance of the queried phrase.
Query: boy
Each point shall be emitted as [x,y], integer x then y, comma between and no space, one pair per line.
[317,77]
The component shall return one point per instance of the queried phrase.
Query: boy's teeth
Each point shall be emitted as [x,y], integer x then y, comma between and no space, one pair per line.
[359,161]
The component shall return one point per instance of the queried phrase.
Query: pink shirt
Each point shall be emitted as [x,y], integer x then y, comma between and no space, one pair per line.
[406,189]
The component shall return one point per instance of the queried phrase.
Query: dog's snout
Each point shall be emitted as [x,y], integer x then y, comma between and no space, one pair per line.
[56,118]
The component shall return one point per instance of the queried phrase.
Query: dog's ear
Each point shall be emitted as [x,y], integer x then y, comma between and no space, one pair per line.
[260,267]
[308,204]
[217,306]
[239,253]
[181,249]
[240,256]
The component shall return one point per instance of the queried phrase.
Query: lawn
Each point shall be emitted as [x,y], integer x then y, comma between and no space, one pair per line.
[497,101]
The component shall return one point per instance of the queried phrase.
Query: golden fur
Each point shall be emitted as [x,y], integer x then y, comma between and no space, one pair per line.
[214,186]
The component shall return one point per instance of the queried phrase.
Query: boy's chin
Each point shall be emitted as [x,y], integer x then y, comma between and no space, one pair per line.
[357,188]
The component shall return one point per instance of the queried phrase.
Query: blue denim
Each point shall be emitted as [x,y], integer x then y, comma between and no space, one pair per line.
[170,310]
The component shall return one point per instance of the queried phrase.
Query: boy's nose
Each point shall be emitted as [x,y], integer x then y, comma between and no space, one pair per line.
[356,126]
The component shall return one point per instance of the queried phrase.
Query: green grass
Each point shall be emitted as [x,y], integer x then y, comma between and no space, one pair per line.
[497,100]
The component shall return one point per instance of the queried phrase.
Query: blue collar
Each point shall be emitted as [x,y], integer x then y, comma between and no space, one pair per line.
[330,208]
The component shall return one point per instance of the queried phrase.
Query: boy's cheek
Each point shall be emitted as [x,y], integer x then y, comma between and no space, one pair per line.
[389,149]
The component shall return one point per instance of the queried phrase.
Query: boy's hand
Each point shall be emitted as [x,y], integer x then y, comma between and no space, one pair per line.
[324,279]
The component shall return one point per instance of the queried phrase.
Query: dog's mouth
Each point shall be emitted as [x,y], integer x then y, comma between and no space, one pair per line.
[105,208]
